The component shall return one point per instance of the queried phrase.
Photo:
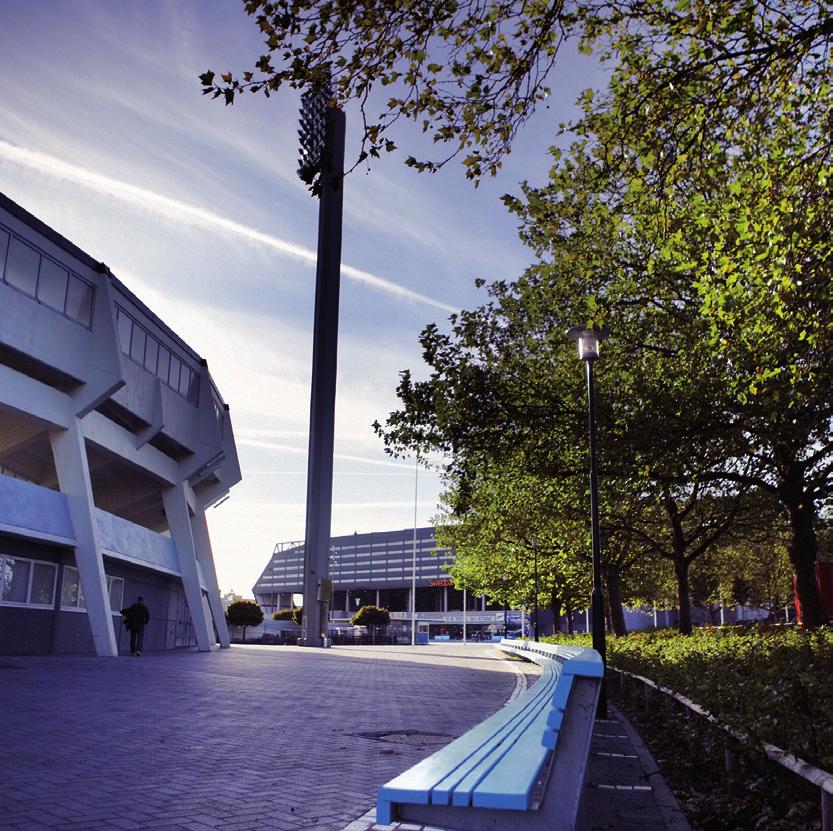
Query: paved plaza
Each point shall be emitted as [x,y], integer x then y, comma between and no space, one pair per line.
[254,737]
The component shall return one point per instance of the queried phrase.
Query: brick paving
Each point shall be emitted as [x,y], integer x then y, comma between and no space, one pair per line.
[241,739]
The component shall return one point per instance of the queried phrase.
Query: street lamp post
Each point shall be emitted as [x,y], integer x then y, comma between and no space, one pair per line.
[321,167]
[535,586]
[588,351]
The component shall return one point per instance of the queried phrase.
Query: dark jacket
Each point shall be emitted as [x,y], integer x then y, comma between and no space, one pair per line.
[136,616]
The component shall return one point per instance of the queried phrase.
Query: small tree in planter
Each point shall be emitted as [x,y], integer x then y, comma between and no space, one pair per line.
[244,613]
[371,617]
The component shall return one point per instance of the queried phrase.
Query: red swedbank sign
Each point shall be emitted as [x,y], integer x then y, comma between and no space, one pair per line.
[440,582]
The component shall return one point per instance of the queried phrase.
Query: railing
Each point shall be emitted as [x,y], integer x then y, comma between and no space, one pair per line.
[816,776]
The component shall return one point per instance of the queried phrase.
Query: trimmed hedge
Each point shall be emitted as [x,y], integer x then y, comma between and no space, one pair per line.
[773,684]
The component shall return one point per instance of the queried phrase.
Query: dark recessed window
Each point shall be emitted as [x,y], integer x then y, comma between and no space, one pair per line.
[173,377]
[143,348]
[25,268]
[151,352]
[125,329]
[22,267]
[163,366]
[52,284]
[137,345]
[184,380]
[79,300]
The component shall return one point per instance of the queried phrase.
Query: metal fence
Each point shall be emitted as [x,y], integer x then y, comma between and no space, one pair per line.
[816,776]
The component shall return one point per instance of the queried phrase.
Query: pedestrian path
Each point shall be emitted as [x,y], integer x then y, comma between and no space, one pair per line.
[241,740]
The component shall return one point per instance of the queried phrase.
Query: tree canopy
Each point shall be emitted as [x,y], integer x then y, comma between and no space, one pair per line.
[471,72]
[705,247]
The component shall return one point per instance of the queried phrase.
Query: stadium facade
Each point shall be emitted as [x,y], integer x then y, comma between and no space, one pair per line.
[114,440]
[378,569]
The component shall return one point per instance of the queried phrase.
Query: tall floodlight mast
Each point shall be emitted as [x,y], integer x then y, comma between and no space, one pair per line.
[321,168]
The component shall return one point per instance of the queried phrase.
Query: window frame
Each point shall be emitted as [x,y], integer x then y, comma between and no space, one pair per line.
[110,581]
[28,603]
[42,255]
[185,371]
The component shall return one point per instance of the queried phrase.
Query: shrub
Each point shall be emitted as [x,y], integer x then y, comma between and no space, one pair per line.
[371,616]
[244,613]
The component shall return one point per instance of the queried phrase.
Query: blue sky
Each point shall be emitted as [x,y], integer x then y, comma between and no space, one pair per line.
[105,136]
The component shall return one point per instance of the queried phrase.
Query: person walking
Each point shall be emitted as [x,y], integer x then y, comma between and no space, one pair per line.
[136,618]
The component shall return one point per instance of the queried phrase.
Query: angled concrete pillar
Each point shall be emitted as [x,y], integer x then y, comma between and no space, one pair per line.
[179,521]
[202,543]
[73,471]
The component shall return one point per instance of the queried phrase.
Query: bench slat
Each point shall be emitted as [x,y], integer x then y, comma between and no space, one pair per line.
[510,784]
[496,766]
[417,784]
[466,779]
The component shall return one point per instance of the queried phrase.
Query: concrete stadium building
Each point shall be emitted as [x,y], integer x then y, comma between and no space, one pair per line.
[377,569]
[113,442]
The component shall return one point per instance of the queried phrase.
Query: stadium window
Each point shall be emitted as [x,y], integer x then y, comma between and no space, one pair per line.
[79,304]
[22,267]
[25,582]
[72,594]
[52,285]
[125,325]
[163,365]
[151,354]
[137,344]
[173,375]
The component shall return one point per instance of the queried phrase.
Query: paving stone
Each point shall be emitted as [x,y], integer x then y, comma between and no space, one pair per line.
[247,739]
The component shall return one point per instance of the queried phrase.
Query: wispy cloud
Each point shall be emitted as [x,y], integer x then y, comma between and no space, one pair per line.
[192,214]
[288,448]
[289,507]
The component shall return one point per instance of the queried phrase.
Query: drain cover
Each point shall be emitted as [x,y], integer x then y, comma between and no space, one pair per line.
[411,737]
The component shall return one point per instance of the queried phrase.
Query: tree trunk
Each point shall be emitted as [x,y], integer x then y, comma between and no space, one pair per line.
[680,565]
[802,549]
[569,611]
[555,604]
[683,593]
[614,598]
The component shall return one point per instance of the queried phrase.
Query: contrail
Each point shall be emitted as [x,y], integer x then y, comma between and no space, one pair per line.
[182,211]
[288,448]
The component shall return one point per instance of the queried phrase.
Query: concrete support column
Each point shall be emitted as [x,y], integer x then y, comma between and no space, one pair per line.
[445,598]
[378,600]
[205,556]
[70,454]
[179,521]
[347,600]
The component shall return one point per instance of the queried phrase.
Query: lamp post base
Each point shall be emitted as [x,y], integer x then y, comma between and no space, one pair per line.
[599,644]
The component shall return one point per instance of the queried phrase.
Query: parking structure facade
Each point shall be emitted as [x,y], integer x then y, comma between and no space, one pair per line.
[379,569]
[114,440]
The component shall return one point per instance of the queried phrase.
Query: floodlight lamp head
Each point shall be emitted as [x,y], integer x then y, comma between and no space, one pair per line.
[313,136]
[588,340]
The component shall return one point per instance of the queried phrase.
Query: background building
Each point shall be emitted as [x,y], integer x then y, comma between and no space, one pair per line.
[377,569]
[113,441]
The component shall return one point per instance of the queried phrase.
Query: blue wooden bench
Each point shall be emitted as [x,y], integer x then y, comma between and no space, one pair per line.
[523,767]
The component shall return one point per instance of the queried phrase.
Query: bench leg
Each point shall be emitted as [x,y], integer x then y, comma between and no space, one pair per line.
[384,812]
